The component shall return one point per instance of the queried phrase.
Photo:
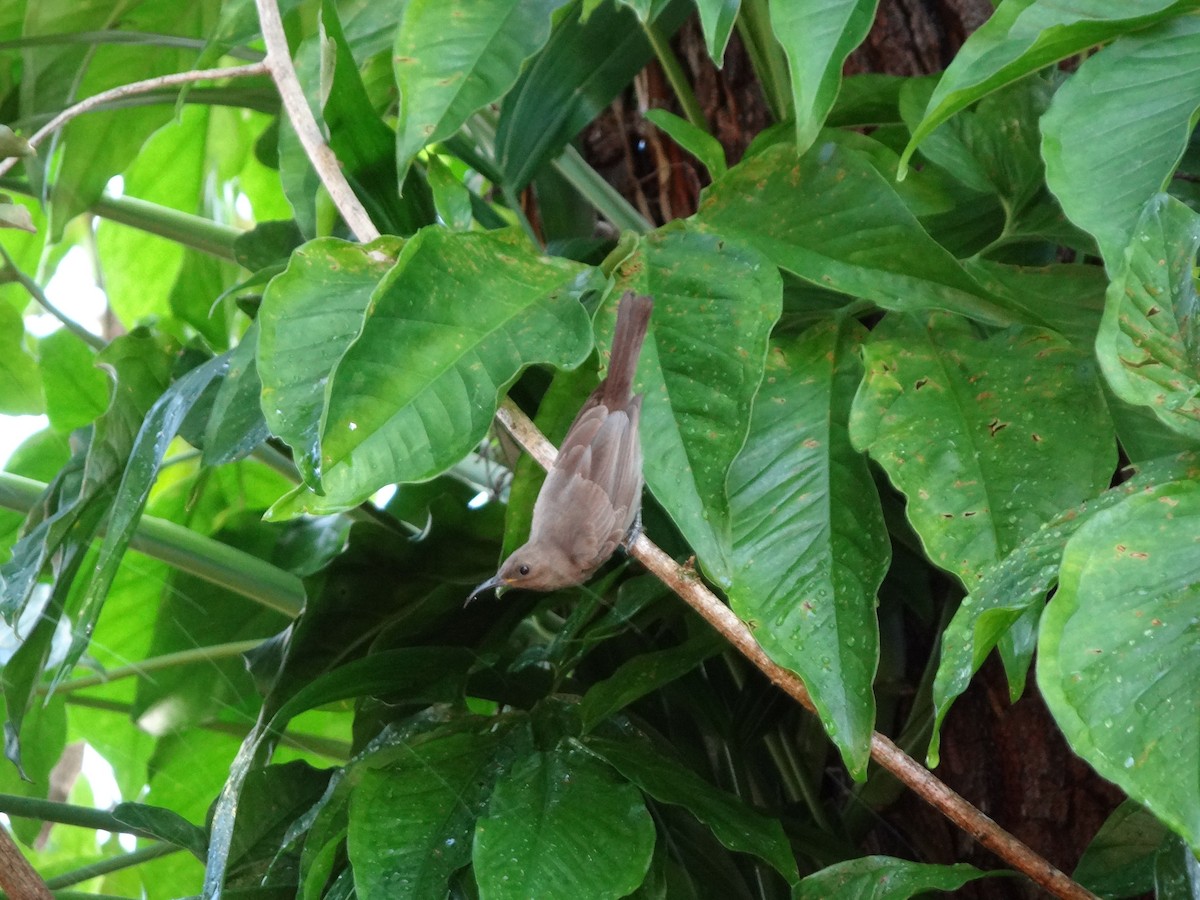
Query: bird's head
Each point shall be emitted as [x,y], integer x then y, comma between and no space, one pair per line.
[533,567]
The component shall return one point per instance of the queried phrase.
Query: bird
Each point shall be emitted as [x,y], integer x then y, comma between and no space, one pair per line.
[590,502]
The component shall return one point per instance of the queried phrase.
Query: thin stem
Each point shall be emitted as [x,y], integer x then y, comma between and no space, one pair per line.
[190,230]
[37,294]
[137,87]
[766,56]
[156,663]
[67,814]
[188,551]
[110,865]
[141,38]
[514,203]
[676,76]
[602,195]
[687,584]
[279,63]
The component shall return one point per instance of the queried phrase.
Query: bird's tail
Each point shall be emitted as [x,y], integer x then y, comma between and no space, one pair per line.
[633,318]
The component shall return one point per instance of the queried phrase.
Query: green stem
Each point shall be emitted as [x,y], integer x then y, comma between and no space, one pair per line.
[215,562]
[66,814]
[191,231]
[155,663]
[112,864]
[183,228]
[37,294]
[767,57]
[514,203]
[602,195]
[676,76]
[141,38]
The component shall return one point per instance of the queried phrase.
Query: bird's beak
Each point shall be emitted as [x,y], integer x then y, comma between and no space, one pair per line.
[494,582]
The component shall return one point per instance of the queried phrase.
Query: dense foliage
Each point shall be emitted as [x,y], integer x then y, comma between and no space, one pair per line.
[931,340]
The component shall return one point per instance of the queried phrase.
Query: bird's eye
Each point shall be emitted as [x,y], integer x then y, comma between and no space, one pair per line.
[524,570]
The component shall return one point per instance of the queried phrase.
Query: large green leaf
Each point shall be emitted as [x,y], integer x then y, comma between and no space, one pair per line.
[452,58]
[1118,127]
[411,822]
[987,438]
[884,878]
[1119,650]
[449,327]
[832,219]
[715,304]
[20,387]
[810,545]
[561,824]
[1149,340]
[584,65]
[734,824]
[817,36]
[310,314]
[1025,35]
[76,390]
[140,267]
[1017,585]
[1119,862]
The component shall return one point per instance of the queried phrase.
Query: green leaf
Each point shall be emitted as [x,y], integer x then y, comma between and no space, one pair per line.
[987,438]
[450,196]
[695,141]
[1176,872]
[311,313]
[1119,651]
[1117,129]
[561,824]
[141,266]
[164,824]
[411,822]
[810,217]
[76,389]
[717,18]
[817,36]
[1149,341]
[994,148]
[582,68]
[1068,298]
[1023,36]
[715,304]
[1119,862]
[20,381]
[884,878]
[644,674]
[1018,584]
[159,428]
[734,824]
[810,545]
[236,425]
[453,58]
[448,329]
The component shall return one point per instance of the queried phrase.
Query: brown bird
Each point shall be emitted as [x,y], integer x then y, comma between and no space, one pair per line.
[592,495]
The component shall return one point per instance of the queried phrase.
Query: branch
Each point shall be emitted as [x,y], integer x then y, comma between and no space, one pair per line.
[34,291]
[687,584]
[279,63]
[128,90]
[18,878]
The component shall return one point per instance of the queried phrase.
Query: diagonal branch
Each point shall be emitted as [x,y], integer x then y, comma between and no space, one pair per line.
[279,62]
[688,585]
[128,90]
